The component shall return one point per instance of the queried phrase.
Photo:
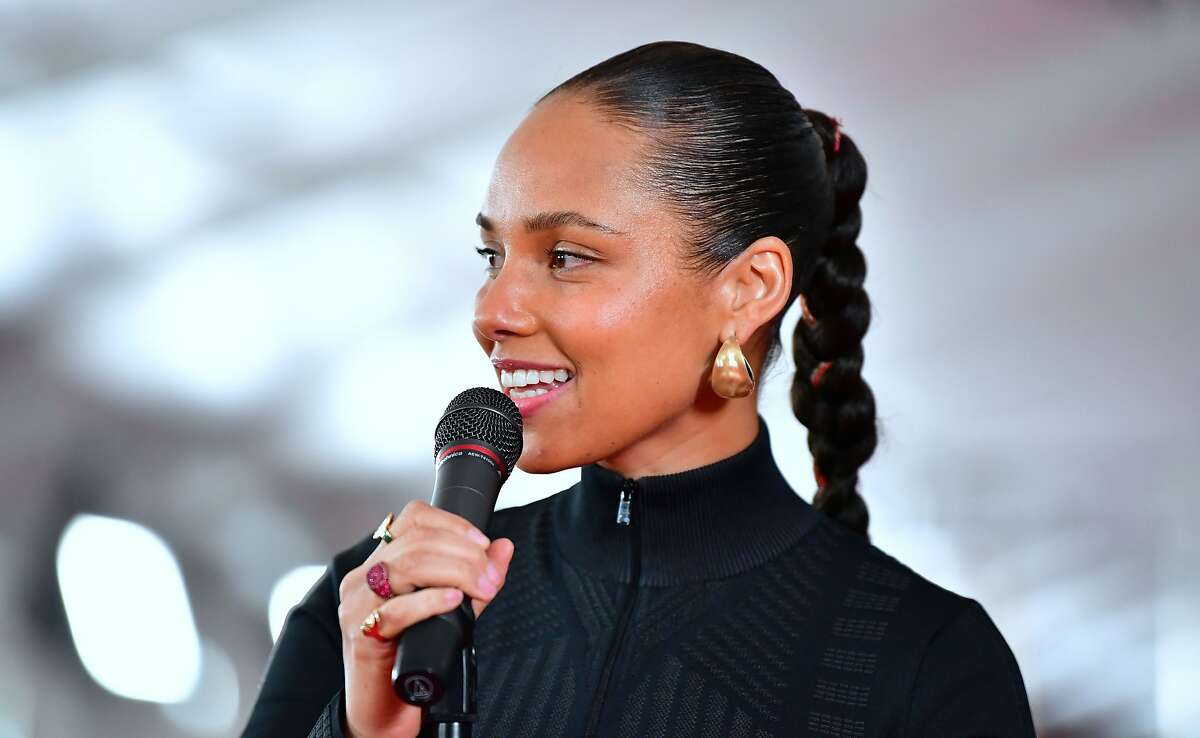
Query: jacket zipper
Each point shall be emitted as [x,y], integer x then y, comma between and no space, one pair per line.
[623,503]
[624,517]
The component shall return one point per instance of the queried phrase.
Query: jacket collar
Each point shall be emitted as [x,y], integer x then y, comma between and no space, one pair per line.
[708,522]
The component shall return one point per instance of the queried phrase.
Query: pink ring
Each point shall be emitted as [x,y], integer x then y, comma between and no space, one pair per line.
[377,580]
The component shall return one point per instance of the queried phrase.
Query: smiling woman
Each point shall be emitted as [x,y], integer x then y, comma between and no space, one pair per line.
[645,229]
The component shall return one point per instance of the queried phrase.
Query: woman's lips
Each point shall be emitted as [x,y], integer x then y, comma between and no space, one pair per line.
[529,405]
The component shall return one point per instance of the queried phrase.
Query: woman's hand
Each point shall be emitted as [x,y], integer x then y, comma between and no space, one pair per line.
[431,549]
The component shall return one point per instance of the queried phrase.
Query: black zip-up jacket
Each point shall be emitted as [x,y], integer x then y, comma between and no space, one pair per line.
[727,606]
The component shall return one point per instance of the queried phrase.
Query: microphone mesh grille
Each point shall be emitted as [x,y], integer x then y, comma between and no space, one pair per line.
[486,414]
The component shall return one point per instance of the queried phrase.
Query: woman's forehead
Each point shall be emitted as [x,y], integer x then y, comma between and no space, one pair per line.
[564,158]
[537,179]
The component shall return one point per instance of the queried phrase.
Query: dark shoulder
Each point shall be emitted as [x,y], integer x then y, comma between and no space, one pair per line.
[947,668]
[877,593]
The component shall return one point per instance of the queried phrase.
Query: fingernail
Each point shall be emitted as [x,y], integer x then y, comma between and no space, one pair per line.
[478,537]
[453,595]
[492,573]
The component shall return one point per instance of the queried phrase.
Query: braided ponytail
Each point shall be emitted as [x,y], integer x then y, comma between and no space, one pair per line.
[732,152]
[828,393]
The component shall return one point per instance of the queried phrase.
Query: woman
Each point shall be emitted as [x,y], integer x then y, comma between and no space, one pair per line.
[646,227]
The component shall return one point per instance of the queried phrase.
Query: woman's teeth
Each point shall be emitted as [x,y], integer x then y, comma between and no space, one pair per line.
[545,379]
[518,394]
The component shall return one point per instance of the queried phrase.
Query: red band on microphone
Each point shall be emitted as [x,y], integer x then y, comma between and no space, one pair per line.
[474,447]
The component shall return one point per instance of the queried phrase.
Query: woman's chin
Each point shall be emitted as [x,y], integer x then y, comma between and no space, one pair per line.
[534,461]
[534,467]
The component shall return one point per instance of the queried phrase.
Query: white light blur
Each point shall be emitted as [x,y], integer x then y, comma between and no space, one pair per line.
[213,707]
[29,253]
[127,608]
[340,262]
[217,324]
[366,92]
[1177,666]
[293,108]
[196,329]
[1176,627]
[136,178]
[288,592]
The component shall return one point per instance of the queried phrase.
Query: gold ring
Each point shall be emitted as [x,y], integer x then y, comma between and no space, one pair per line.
[370,626]
[382,531]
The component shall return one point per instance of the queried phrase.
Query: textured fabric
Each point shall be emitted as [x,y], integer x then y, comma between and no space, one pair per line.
[324,725]
[727,607]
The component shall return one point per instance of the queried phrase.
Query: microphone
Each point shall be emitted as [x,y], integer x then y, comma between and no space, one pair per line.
[476,444]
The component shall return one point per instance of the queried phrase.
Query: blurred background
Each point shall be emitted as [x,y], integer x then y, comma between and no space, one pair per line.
[226,227]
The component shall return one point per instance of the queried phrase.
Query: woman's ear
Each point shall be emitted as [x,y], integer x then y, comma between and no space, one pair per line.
[754,287]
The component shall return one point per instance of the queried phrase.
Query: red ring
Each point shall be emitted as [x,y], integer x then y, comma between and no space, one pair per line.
[377,580]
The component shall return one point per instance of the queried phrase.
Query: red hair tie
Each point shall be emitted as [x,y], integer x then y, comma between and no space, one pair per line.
[837,134]
[820,372]
[821,480]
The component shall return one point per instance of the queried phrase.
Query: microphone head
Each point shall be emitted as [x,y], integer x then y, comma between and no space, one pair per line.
[485,414]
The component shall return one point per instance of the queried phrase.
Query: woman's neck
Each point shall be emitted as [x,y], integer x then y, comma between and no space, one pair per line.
[699,437]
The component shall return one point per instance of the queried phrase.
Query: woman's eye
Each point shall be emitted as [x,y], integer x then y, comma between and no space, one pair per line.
[558,257]
[490,255]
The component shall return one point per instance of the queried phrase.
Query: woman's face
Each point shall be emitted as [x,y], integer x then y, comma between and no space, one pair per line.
[616,309]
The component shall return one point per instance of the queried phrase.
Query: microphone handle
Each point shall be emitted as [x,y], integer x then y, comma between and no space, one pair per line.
[431,655]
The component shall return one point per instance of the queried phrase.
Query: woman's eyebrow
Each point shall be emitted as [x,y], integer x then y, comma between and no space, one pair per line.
[546,221]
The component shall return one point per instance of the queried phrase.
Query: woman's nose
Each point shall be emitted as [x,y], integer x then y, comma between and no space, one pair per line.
[502,307]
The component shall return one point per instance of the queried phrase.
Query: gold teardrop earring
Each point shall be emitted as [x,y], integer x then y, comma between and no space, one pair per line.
[732,376]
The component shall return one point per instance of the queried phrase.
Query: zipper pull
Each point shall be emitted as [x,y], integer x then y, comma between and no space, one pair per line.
[623,505]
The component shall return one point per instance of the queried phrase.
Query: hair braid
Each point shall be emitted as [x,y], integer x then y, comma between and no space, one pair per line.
[828,393]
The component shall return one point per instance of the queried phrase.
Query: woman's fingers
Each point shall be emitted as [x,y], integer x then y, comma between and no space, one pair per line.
[500,554]
[430,557]
[400,613]
[418,514]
